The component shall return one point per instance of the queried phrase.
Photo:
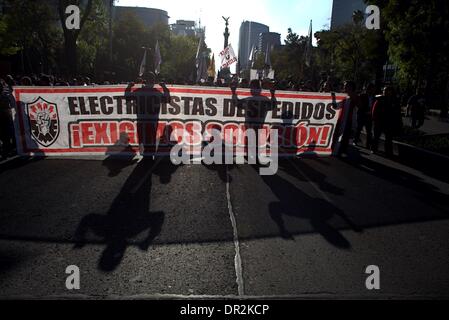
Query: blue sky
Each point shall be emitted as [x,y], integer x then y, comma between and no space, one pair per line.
[278,15]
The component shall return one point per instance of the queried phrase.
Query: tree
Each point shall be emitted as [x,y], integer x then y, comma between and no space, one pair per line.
[179,58]
[418,42]
[7,44]
[351,52]
[93,42]
[178,52]
[31,29]
[292,38]
[130,35]
[71,35]
[289,60]
[358,17]
[259,61]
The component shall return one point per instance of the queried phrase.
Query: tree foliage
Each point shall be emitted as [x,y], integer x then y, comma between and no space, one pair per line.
[7,44]
[93,41]
[417,35]
[178,52]
[71,35]
[418,39]
[35,32]
[289,60]
[30,27]
[351,52]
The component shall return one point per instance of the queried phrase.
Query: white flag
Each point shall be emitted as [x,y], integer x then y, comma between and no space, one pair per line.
[227,57]
[254,74]
[251,55]
[157,59]
[198,51]
[143,64]
[202,69]
[267,57]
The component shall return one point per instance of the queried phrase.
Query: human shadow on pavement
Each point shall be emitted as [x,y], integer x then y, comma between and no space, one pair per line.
[120,156]
[302,171]
[426,192]
[295,203]
[255,109]
[19,162]
[129,215]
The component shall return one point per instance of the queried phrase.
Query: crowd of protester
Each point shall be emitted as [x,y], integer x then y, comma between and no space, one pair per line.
[379,114]
[376,113]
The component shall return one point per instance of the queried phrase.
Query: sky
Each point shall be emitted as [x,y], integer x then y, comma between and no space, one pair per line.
[279,15]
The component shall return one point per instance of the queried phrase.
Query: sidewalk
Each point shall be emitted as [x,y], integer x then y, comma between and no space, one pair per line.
[436,113]
[432,125]
[431,163]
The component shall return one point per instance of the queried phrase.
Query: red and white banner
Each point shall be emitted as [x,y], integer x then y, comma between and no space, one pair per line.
[119,119]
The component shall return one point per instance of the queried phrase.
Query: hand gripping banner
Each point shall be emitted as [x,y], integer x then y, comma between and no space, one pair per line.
[99,120]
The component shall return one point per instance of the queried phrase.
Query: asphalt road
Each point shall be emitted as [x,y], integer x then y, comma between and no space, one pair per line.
[149,229]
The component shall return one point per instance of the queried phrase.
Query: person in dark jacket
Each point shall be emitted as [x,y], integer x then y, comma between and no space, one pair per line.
[6,123]
[365,105]
[387,119]
[417,108]
[350,90]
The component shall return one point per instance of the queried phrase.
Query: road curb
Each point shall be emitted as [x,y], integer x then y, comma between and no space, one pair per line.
[429,162]
[422,159]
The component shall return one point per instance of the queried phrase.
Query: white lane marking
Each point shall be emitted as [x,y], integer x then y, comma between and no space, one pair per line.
[367,168]
[146,176]
[8,160]
[237,259]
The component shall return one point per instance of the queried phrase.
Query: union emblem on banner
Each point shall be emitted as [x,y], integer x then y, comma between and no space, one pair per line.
[44,121]
[227,57]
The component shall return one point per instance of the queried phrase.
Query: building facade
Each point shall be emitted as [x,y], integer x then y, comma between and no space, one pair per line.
[342,11]
[249,37]
[148,16]
[187,28]
[269,40]
[3,6]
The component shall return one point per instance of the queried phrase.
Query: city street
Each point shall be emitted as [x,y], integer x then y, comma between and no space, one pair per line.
[149,229]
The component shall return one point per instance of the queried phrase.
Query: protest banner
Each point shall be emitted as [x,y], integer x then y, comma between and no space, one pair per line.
[102,119]
[227,57]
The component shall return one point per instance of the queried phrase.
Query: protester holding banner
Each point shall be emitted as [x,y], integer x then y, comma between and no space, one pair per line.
[255,109]
[349,88]
[364,120]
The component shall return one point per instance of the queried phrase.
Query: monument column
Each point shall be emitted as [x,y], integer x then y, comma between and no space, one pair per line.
[226,33]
